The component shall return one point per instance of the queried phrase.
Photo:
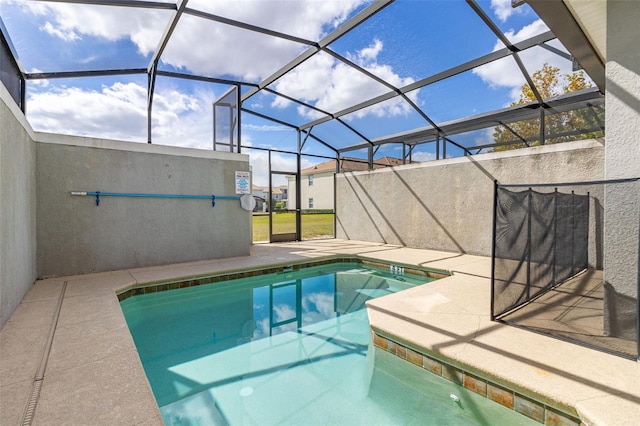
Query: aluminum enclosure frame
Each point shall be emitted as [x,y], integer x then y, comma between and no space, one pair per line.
[571,35]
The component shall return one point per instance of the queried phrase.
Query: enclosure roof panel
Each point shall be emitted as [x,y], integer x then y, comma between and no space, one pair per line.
[562,103]
[343,72]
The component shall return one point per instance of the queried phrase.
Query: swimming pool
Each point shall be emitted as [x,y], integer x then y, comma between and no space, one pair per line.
[290,348]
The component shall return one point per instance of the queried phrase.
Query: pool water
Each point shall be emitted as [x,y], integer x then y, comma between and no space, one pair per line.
[290,348]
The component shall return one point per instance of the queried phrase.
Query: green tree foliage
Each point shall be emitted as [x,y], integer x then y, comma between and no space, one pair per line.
[550,83]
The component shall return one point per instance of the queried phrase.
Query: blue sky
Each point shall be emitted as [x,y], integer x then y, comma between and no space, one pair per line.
[407,41]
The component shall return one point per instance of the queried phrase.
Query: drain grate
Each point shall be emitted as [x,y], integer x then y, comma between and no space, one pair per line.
[30,410]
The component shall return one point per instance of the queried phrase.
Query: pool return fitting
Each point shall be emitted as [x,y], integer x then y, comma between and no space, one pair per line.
[247,201]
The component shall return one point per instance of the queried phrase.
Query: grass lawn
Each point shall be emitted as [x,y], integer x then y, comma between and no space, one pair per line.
[313,225]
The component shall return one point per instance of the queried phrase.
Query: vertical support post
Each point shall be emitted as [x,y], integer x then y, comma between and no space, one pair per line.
[529,208]
[542,126]
[370,157]
[23,95]
[335,197]
[554,262]
[238,119]
[231,129]
[151,84]
[299,304]
[270,303]
[437,147]
[299,190]
[215,128]
[444,147]
[638,302]
[493,248]
[573,234]
[270,201]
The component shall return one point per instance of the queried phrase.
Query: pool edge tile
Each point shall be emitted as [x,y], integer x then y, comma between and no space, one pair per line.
[523,404]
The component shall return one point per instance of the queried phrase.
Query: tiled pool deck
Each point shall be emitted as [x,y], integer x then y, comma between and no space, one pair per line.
[92,374]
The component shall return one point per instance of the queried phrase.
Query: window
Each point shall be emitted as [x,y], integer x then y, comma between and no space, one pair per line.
[310,180]
[310,203]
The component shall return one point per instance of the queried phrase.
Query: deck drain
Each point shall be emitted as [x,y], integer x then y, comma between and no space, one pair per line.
[30,410]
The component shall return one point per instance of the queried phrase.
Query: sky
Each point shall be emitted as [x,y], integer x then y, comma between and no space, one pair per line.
[405,42]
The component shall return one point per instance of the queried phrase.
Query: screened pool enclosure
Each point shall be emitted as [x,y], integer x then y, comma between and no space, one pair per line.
[298,84]
[428,73]
[308,88]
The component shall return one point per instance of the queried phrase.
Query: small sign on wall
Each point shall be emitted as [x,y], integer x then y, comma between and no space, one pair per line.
[243,185]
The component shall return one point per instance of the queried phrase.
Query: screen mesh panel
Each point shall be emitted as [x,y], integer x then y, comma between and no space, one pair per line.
[9,72]
[541,240]
[551,258]
[225,122]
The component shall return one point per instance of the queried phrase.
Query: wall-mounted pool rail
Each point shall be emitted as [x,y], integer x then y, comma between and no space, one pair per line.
[99,194]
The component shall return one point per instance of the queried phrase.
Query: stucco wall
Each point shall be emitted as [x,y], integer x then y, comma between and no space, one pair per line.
[622,221]
[447,205]
[75,236]
[17,206]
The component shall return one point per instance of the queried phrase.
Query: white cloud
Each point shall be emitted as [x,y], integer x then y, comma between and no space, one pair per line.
[422,156]
[222,50]
[331,85]
[87,59]
[308,19]
[505,73]
[536,27]
[323,302]
[371,53]
[503,9]
[199,45]
[66,35]
[283,313]
[246,54]
[183,119]
[119,111]
[69,22]
[265,128]
[484,136]
[307,82]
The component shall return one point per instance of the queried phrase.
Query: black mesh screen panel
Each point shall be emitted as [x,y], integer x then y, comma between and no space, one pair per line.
[541,239]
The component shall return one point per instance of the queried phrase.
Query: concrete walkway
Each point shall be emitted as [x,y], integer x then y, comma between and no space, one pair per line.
[92,374]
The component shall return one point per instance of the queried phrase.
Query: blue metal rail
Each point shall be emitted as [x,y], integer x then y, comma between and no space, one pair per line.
[99,194]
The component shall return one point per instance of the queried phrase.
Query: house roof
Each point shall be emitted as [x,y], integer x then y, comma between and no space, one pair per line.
[349,164]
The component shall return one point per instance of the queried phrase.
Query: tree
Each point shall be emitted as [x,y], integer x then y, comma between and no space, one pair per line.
[560,126]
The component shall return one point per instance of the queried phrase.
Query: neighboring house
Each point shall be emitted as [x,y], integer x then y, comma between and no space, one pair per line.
[317,184]
[261,195]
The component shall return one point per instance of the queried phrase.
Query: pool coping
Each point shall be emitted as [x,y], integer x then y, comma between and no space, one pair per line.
[207,279]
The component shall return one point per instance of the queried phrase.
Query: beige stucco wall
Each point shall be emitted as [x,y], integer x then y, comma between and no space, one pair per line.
[622,220]
[17,206]
[447,204]
[44,231]
[75,236]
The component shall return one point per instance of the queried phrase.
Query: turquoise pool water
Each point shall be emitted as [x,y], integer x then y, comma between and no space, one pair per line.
[290,348]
